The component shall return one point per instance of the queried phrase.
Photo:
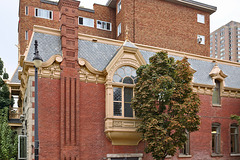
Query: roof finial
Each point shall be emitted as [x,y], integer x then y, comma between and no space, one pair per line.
[126,38]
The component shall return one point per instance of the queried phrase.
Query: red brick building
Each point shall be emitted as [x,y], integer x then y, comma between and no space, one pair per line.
[82,111]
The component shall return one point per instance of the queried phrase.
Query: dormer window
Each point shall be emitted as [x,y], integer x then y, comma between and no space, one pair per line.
[216,93]
[218,80]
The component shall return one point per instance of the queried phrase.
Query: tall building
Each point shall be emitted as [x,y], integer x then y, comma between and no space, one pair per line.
[172,24]
[225,42]
[88,54]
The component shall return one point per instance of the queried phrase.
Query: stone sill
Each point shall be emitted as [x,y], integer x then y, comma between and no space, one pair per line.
[216,105]
[184,156]
[235,155]
[216,155]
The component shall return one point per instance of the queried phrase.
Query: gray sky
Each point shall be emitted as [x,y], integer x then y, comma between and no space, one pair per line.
[227,11]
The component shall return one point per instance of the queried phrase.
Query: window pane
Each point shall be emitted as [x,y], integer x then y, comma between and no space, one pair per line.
[128,112]
[121,72]
[128,71]
[216,93]
[128,80]
[117,78]
[213,143]
[117,108]
[232,143]
[80,20]
[128,94]
[22,140]
[117,94]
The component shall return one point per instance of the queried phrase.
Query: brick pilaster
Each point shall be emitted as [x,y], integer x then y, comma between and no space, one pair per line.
[69,120]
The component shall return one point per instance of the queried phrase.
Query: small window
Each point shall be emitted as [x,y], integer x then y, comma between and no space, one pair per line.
[42,13]
[26,10]
[201,39]
[104,25]
[86,21]
[119,29]
[234,138]
[26,35]
[216,141]
[22,147]
[216,99]
[200,18]
[119,6]
[186,148]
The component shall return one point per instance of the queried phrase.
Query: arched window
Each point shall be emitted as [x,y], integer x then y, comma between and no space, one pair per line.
[123,82]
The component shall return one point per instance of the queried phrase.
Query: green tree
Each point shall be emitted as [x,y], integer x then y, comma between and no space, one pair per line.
[236,117]
[5,99]
[165,102]
[8,138]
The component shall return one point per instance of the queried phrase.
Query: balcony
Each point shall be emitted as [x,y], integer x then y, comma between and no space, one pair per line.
[14,116]
[122,131]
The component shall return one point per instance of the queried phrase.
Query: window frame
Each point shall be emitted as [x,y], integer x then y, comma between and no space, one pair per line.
[106,25]
[185,151]
[201,18]
[83,21]
[216,149]
[119,6]
[19,147]
[26,35]
[26,10]
[217,91]
[236,138]
[36,10]
[119,29]
[202,39]
[123,86]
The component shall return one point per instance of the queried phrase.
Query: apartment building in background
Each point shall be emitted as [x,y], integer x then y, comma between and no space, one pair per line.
[225,42]
[173,24]
[83,98]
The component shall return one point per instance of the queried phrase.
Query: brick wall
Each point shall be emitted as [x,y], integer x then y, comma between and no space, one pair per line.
[93,143]
[151,22]
[49,118]
[166,25]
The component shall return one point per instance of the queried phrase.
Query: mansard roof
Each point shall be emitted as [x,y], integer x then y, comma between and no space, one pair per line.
[14,78]
[100,54]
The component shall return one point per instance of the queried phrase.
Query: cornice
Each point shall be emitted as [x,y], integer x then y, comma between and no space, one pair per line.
[46,30]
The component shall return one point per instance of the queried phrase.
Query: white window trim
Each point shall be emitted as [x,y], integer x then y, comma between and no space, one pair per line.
[201,18]
[83,21]
[139,155]
[26,35]
[26,10]
[201,39]
[43,17]
[119,29]
[19,146]
[103,28]
[119,6]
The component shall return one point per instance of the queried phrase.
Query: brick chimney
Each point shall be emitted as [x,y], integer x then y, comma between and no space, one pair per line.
[69,118]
